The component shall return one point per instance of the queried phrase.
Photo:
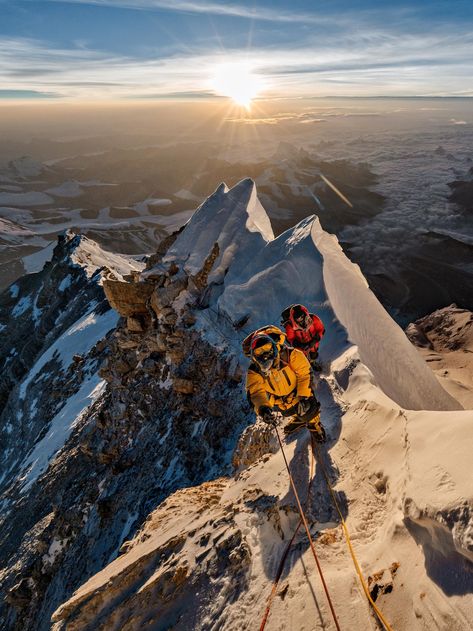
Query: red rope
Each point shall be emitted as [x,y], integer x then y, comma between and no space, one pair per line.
[306,526]
[286,551]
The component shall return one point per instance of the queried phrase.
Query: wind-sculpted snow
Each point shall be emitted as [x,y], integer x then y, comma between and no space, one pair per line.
[77,340]
[383,346]
[60,427]
[307,265]
[232,218]
[148,455]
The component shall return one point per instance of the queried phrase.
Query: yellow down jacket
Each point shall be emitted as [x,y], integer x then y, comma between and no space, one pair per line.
[282,386]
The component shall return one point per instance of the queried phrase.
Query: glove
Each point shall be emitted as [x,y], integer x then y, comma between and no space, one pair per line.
[304,405]
[267,415]
[305,346]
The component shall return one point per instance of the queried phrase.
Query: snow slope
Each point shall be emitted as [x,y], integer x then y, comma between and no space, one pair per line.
[51,321]
[235,219]
[307,265]
[398,455]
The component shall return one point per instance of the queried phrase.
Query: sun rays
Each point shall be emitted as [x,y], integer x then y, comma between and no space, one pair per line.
[238,82]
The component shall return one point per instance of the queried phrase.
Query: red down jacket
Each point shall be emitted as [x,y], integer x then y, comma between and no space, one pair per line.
[307,339]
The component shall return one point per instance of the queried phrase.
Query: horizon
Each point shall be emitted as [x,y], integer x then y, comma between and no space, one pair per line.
[196,50]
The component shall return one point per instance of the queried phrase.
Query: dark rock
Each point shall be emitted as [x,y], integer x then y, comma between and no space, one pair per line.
[163,297]
[134,324]
[201,278]
[121,367]
[216,408]
[128,298]
[184,386]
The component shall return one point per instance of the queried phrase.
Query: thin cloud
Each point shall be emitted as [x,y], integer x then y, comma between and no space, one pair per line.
[406,65]
[27,94]
[190,94]
[209,8]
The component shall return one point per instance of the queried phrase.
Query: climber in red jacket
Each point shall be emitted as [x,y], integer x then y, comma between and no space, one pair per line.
[304,330]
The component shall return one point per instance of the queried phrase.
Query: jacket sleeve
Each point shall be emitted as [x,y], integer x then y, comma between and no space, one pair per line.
[256,390]
[300,365]
[318,326]
[290,335]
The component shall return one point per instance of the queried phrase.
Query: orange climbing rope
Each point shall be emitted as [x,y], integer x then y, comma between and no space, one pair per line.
[286,550]
[380,616]
[302,520]
[306,526]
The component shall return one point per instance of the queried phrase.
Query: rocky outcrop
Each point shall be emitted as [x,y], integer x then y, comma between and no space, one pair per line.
[164,571]
[447,329]
[201,278]
[256,441]
[444,339]
[171,409]
[128,298]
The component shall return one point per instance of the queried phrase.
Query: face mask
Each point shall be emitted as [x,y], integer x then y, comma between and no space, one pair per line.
[265,361]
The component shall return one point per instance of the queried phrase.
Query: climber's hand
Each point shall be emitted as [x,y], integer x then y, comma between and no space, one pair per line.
[304,405]
[267,415]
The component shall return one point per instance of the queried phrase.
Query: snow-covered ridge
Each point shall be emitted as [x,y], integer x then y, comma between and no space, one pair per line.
[48,319]
[382,344]
[306,264]
[88,255]
[262,275]
[216,545]
[235,219]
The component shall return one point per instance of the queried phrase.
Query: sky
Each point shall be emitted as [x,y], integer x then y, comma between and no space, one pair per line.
[90,50]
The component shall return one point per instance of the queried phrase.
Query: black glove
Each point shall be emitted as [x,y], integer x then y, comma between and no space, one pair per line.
[267,415]
[304,405]
[305,346]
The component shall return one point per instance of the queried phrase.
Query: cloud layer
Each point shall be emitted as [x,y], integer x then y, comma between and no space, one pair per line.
[367,53]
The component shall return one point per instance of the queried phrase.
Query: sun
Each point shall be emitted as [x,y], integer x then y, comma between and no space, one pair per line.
[238,82]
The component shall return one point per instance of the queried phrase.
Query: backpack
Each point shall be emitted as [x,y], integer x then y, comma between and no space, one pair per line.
[286,314]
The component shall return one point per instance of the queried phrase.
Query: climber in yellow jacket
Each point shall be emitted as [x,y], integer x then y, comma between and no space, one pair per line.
[279,379]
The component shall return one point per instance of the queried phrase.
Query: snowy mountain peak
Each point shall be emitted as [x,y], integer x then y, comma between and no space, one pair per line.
[234,219]
[109,418]
[86,253]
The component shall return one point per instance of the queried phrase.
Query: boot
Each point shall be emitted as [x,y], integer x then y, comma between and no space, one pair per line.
[313,356]
[316,428]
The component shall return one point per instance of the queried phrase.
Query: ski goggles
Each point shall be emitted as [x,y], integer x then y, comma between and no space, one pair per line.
[264,352]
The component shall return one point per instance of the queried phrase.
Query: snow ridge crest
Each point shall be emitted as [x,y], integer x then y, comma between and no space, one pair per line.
[234,218]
